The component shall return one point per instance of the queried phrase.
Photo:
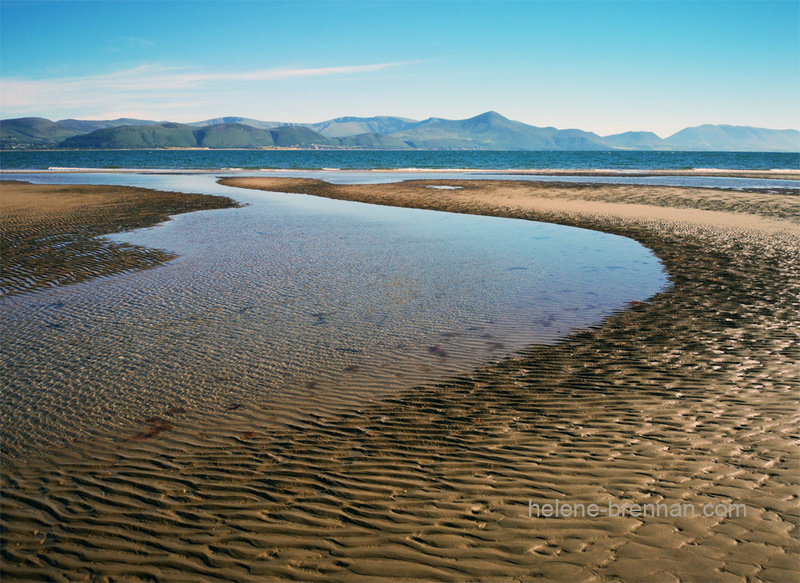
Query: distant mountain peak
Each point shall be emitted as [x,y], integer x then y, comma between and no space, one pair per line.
[490,117]
[486,131]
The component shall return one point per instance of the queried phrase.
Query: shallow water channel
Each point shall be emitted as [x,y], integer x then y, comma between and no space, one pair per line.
[293,293]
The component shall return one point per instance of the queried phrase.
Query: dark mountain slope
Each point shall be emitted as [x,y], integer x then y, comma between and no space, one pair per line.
[133,137]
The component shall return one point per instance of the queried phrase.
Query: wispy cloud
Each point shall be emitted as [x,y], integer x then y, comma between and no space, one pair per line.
[131,43]
[147,87]
[138,42]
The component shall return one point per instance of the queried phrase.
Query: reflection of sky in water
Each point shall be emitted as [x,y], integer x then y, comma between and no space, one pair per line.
[367,177]
[293,291]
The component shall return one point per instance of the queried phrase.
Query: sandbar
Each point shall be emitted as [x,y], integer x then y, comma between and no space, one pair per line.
[52,233]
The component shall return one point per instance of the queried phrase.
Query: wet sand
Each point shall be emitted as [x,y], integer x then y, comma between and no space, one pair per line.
[690,398]
[51,233]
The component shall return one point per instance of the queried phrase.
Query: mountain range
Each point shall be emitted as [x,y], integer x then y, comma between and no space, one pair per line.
[488,131]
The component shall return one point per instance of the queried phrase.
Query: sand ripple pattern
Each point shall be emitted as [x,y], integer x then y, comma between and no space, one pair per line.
[348,301]
[59,243]
[690,397]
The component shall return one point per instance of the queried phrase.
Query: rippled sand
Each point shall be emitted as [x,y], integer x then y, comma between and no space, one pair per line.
[291,293]
[50,235]
[691,397]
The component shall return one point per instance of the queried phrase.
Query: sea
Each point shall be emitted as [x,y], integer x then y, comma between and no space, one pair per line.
[393,160]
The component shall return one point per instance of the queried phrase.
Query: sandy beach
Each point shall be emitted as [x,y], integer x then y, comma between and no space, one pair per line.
[688,402]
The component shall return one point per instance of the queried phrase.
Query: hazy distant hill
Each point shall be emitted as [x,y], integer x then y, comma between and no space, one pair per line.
[492,131]
[637,141]
[488,131]
[374,142]
[726,138]
[578,140]
[342,127]
[264,125]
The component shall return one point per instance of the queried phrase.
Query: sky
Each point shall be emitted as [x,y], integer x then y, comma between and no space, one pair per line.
[606,67]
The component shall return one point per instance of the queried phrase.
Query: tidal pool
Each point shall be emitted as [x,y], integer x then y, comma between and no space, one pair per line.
[293,294]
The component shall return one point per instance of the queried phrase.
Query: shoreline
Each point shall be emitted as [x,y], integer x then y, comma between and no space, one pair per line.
[775,173]
[689,397]
[52,234]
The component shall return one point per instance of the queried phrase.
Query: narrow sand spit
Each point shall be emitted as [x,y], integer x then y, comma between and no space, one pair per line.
[690,399]
[775,174]
[50,234]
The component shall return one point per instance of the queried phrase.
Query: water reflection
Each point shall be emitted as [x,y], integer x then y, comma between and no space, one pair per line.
[294,294]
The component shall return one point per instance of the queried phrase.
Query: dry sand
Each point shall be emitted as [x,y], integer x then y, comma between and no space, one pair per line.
[775,174]
[690,398]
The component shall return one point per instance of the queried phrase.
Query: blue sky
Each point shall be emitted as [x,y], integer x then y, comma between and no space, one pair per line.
[600,66]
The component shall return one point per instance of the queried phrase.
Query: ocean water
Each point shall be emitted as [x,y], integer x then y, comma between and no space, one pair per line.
[365,160]
[293,294]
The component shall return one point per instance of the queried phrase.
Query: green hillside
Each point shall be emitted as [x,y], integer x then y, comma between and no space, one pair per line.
[173,135]
[84,126]
[233,135]
[168,135]
[37,132]
[299,137]
[32,132]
